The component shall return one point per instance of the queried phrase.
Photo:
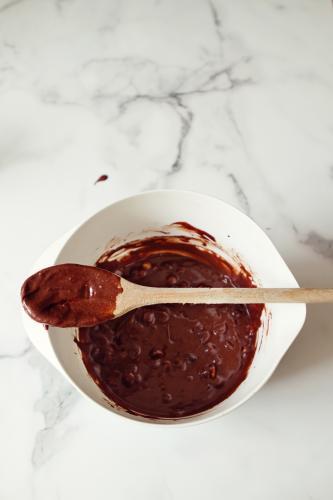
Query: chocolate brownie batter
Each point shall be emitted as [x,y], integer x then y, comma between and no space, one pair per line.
[70,295]
[173,360]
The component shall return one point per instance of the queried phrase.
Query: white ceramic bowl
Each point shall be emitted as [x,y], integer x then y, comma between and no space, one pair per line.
[236,232]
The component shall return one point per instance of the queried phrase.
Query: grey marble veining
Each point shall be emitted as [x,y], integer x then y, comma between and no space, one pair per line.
[232,99]
[323,246]
[57,398]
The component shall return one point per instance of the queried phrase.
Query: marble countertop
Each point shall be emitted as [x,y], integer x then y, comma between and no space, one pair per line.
[233,99]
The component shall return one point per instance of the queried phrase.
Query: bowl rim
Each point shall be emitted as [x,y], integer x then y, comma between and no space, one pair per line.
[199,418]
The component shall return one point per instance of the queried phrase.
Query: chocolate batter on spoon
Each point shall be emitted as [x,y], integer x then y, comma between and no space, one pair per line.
[71,295]
[172,360]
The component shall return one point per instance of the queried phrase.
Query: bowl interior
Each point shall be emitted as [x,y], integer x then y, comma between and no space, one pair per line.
[235,232]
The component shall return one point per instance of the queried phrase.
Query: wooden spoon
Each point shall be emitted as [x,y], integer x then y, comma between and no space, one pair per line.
[69,295]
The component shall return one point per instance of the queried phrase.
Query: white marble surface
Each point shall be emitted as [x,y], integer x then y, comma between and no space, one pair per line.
[233,99]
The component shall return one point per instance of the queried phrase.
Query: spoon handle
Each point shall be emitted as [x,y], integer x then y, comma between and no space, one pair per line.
[150,295]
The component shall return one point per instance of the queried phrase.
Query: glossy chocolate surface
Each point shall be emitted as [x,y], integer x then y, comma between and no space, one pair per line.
[173,360]
[69,295]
